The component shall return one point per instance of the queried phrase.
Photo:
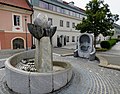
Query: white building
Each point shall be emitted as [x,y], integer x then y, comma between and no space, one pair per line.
[63,15]
[116,34]
[117,31]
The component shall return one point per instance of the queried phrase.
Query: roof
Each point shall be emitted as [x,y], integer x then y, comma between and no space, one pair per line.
[74,6]
[116,25]
[17,3]
[62,4]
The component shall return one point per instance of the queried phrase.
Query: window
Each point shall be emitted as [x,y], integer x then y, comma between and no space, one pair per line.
[54,8]
[67,24]
[43,4]
[16,20]
[67,38]
[62,10]
[61,23]
[50,7]
[77,15]
[50,19]
[73,25]
[66,11]
[71,13]
[73,38]
[58,9]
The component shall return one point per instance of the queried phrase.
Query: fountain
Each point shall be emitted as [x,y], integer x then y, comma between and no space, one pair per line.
[34,71]
[85,47]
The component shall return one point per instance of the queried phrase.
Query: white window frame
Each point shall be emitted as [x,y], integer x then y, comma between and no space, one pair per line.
[67,24]
[73,25]
[14,28]
[61,23]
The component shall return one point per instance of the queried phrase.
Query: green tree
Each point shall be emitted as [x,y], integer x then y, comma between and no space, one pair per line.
[99,19]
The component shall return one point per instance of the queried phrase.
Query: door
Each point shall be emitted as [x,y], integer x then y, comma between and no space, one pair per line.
[18,43]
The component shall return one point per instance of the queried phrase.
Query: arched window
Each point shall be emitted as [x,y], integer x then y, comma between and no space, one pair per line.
[18,43]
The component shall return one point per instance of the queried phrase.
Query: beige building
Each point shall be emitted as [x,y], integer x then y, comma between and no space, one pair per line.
[63,15]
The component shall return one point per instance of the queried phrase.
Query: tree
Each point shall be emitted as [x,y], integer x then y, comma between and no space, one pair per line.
[99,19]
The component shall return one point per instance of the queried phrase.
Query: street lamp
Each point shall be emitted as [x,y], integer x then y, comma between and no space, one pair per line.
[26,32]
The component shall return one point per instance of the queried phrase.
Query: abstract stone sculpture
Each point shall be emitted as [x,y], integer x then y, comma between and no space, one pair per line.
[85,47]
[43,32]
[42,75]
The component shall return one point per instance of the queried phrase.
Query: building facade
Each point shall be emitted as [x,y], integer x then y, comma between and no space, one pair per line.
[116,34]
[117,31]
[63,15]
[14,17]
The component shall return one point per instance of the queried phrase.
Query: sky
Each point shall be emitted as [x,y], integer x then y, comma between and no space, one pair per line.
[114,5]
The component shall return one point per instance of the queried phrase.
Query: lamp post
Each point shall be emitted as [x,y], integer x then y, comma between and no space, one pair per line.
[26,32]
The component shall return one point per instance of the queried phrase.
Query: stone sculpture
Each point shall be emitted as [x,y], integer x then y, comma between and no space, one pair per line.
[43,32]
[45,76]
[85,47]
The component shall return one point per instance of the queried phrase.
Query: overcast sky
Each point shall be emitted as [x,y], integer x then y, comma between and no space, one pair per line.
[114,5]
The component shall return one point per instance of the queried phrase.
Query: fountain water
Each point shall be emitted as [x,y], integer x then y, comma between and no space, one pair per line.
[34,71]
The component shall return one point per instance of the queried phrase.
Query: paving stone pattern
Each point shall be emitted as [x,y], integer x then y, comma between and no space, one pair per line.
[88,78]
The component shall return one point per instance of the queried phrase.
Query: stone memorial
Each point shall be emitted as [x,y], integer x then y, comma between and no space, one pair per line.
[85,47]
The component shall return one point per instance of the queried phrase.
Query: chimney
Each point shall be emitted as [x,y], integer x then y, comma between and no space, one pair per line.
[71,3]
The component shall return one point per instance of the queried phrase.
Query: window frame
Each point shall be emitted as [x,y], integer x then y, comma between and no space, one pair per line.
[73,24]
[67,24]
[61,23]
[17,27]
[51,20]
[67,38]
[16,21]
[73,38]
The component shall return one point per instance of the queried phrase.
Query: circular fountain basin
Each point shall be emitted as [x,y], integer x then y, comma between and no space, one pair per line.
[25,82]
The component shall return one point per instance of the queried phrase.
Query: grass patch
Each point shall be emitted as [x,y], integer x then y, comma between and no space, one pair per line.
[101,49]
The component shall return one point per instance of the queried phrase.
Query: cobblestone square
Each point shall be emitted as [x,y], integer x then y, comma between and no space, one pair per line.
[88,78]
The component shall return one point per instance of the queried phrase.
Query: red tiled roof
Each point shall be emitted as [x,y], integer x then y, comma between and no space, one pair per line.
[17,3]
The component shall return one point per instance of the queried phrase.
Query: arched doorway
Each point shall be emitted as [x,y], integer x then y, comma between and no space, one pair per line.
[18,43]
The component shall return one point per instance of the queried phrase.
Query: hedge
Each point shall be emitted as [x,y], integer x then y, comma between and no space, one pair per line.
[108,44]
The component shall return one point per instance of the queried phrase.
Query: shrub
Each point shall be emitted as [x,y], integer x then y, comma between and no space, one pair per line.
[105,44]
[108,44]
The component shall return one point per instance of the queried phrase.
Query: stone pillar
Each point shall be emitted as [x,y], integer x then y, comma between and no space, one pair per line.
[43,56]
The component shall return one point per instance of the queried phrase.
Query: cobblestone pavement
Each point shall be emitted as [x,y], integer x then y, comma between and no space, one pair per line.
[88,78]
[113,55]
[62,50]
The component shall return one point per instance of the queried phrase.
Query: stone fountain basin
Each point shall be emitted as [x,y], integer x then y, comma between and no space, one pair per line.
[25,82]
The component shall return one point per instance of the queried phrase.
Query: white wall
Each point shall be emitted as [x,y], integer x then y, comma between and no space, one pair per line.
[56,17]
